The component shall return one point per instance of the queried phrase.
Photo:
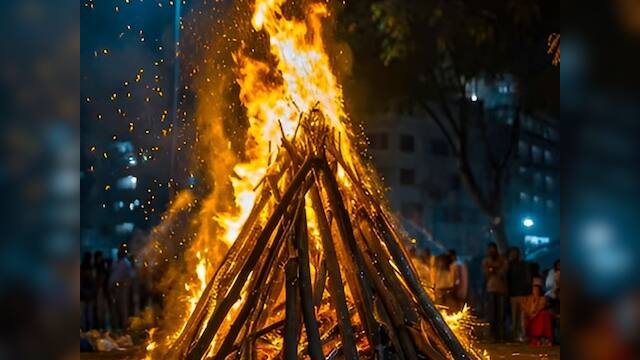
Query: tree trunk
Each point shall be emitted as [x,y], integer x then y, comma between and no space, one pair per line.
[500,234]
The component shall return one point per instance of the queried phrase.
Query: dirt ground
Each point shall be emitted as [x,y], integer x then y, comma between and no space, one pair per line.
[497,351]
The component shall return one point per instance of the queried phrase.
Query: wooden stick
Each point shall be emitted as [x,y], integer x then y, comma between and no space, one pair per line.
[321,278]
[206,298]
[306,297]
[335,279]
[345,229]
[390,302]
[259,284]
[389,278]
[433,315]
[388,325]
[292,314]
[260,275]
[201,346]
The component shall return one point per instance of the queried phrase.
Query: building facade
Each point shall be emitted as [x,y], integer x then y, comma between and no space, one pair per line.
[426,190]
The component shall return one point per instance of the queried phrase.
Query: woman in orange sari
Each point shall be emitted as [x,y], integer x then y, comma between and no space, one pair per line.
[538,319]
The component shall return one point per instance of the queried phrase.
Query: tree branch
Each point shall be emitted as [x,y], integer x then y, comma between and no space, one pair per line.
[487,144]
[513,139]
[441,125]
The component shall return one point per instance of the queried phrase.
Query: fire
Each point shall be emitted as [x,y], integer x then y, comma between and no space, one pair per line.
[275,94]
[462,324]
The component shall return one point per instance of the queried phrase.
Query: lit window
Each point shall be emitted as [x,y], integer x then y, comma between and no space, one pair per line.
[128,182]
[537,179]
[124,228]
[124,147]
[536,200]
[548,157]
[536,153]
[523,149]
[549,182]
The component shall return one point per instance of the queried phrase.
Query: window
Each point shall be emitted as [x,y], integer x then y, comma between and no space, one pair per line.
[379,141]
[523,149]
[550,204]
[536,154]
[537,179]
[537,202]
[548,157]
[407,143]
[549,182]
[128,183]
[439,147]
[407,177]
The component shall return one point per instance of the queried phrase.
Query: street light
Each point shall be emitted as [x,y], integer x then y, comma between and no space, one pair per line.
[527,222]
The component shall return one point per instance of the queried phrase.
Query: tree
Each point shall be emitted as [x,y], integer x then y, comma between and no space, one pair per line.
[428,50]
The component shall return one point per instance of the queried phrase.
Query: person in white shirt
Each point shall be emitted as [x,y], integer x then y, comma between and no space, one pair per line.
[461,281]
[552,283]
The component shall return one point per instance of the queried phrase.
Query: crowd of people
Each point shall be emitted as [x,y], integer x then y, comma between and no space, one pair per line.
[513,295]
[110,291]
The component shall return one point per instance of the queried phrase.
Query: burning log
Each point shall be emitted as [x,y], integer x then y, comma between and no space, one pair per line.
[335,279]
[203,343]
[308,310]
[381,284]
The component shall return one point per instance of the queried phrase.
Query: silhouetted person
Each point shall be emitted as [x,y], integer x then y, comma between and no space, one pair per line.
[444,276]
[120,289]
[102,295]
[461,285]
[519,284]
[87,292]
[424,267]
[494,267]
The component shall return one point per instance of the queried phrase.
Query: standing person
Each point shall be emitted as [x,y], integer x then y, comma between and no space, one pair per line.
[538,319]
[444,281]
[494,267]
[552,282]
[102,299]
[424,268]
[461,280]
[87,292]
[135,287]
[518,283]
[120,289]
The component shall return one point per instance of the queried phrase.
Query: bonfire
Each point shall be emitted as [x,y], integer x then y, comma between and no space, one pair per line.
[316,265]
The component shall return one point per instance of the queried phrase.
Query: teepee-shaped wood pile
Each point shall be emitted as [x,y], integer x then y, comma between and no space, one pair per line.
[318,270]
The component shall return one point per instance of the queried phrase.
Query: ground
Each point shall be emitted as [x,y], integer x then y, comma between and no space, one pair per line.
[497,351]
